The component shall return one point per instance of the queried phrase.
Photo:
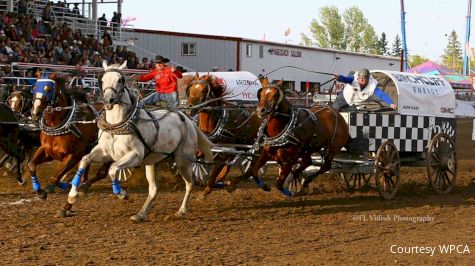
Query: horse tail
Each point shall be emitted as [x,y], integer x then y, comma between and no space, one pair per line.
[204,144]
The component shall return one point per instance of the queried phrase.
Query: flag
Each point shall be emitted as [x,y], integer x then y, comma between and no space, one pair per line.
[264,37]
[287,32]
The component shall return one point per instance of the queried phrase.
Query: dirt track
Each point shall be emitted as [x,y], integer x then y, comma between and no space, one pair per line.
[247,227]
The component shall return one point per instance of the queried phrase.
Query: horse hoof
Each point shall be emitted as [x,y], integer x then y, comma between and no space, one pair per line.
[202,197]
[49,188]
[231,187]
[61,214]
[22,182]
[72,199]
[137,218]
[41,194]
[123,195]
[302,192]
[84,189]
[266,188]
[179,214]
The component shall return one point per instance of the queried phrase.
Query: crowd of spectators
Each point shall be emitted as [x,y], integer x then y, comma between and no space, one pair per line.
[29,39]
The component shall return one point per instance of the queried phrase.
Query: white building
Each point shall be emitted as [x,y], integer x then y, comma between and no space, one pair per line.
[208,53]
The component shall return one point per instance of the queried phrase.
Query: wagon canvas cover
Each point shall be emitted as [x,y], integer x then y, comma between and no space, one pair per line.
[421,94]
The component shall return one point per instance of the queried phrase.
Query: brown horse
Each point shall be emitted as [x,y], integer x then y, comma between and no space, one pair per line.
[223,123]
[20,101]
[63,137]
[292,134]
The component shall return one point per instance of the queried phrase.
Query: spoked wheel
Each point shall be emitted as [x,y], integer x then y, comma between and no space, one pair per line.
[441,163]
[200,171]
[387,169]
[356,181]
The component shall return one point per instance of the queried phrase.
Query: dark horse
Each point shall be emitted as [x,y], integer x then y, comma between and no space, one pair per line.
[223,123]
[292,134]
[13,141]
[63,136]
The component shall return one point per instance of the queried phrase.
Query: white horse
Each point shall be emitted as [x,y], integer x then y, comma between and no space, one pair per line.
[130,136]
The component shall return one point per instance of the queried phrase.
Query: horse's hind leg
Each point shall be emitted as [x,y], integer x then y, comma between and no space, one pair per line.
[101,174]
[215,172]
[152,193]
[327,165]
[67,164]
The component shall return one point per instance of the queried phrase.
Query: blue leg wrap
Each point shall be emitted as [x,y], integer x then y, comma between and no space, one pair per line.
[77,177]
[259,182]
[34,182]
[219,185]
[116,186]
[63,185]
[286,192]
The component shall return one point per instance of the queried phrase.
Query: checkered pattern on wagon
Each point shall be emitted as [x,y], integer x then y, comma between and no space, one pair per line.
[408,133]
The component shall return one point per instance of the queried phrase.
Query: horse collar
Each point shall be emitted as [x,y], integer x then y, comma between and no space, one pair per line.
[285,136]
[121,128]
[67,126]
[220,127]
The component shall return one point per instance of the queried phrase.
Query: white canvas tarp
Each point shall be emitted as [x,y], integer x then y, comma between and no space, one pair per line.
[241,85]
[422,95]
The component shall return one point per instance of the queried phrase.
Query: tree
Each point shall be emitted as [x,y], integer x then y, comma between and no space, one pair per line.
[359,34]
[352,33]
[452,57]
[415,60]
[329,30]
[383,45]
[305,40]
[396,49]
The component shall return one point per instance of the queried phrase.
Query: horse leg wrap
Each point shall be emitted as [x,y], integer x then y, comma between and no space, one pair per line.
[219,185]
[77,178]
[34,182]
[116,187]
[286,192]
[63,185]
[259,181]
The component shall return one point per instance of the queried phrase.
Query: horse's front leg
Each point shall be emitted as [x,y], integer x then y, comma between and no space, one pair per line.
[39,158]
[100,174]
[67,164]
[253,171]
[284,170]
[97,154]
[129,160]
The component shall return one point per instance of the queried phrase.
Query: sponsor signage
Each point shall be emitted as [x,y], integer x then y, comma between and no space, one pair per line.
[285,52]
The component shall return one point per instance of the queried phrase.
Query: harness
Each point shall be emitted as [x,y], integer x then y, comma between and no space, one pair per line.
[129,125]
[286,136]
[67,126]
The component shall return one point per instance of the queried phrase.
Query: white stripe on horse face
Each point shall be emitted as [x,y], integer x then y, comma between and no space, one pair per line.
[13,102]
[37,103]
[268,90]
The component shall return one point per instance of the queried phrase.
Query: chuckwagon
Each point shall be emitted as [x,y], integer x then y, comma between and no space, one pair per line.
[420,133]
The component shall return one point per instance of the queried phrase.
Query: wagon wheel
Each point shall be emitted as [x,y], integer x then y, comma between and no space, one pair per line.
[200,171]
[441,163]
[356,181]
[387,169]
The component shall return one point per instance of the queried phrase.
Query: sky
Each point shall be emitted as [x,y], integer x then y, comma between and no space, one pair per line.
[428,22]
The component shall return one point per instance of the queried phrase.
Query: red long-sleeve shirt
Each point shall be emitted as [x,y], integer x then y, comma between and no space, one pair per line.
[165,79]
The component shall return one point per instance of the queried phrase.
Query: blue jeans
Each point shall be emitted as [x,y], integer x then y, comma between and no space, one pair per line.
[155,98]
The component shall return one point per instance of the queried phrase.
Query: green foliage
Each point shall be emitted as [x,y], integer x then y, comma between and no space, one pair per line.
[452,57]
[305,40]
[351,33]
[396,49]
[415,60]
[382,45]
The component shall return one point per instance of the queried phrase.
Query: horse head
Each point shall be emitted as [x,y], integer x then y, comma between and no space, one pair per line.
[112,84]
[270,95]
[44,94]
[19,100]
[204,88]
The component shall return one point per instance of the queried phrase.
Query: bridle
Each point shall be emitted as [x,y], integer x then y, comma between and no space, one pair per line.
[272,109]
[200,82]
[120,94]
